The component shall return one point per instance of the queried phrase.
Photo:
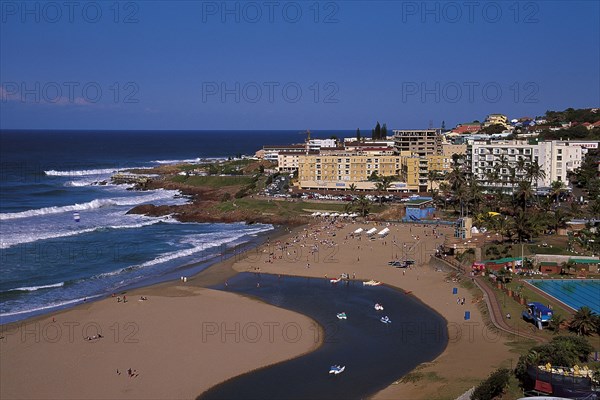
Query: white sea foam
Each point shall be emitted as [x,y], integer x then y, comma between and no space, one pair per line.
[17,239]
[189,161]
[94,204]
[204,242]
[50,306]
[84,182]
[34,288]
[82,172]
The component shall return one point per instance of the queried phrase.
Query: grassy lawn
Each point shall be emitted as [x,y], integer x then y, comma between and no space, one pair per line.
[511,306]
[212,181]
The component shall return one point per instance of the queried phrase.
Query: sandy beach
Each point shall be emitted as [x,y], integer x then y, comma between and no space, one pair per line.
[186,338]
[178,343]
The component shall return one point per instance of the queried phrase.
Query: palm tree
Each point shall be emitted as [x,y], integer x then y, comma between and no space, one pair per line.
[382,185]
[362,205]
[445,188]
[584,322]
[521,165]
[432,176]
[555,323]
[456,180]
[475,193]
[352,187]
[556,188]
[524,193]
[502,163]
[535,173]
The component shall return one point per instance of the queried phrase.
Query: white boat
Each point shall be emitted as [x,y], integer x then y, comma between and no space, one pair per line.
[342,315]
[372,283]
[378,307]
[335,280]
[386,320]
[336,369]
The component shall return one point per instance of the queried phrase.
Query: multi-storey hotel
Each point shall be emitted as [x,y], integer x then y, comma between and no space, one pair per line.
[339,170]
[556,159]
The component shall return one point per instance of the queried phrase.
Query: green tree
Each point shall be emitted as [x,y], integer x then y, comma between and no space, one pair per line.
[358,135]
[556,188]
[555,323]
[382,185]
[524,193]
[362,205]
[493,386]
[374,176]
[433,176]
[376,133]
[584,322]
[352,187]
[383,133]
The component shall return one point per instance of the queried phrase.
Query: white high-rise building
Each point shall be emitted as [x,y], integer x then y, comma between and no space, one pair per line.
[556,159]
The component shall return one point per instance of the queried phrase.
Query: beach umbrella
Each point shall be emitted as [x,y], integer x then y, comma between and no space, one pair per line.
[335,214]
[325,214]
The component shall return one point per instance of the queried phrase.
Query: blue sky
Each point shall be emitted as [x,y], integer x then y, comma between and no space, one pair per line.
[292,64]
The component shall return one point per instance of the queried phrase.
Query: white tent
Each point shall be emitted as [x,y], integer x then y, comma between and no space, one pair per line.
[371,231]
[358,231]
[384,232]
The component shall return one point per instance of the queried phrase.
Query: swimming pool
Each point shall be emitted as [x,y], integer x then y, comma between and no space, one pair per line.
[574,293]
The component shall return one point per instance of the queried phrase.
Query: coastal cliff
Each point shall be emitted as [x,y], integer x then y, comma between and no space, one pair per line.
[204,211]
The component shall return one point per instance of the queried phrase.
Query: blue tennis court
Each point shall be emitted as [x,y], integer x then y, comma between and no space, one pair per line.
[574,293]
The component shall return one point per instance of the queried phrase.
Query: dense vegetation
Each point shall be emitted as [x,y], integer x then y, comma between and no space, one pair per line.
[493,386]
[565,351]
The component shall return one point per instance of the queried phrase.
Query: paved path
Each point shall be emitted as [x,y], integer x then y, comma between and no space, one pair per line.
[496,315]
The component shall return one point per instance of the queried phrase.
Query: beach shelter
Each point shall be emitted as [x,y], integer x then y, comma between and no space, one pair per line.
[358,231]
[384,232]
[371,231]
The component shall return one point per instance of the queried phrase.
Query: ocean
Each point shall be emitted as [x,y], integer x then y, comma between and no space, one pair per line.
[48,179]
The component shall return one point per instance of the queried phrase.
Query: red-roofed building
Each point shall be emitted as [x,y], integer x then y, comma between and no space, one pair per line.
[467,128]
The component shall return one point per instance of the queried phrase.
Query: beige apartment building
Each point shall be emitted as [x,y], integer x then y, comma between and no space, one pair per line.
[415,171]
[342,169]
